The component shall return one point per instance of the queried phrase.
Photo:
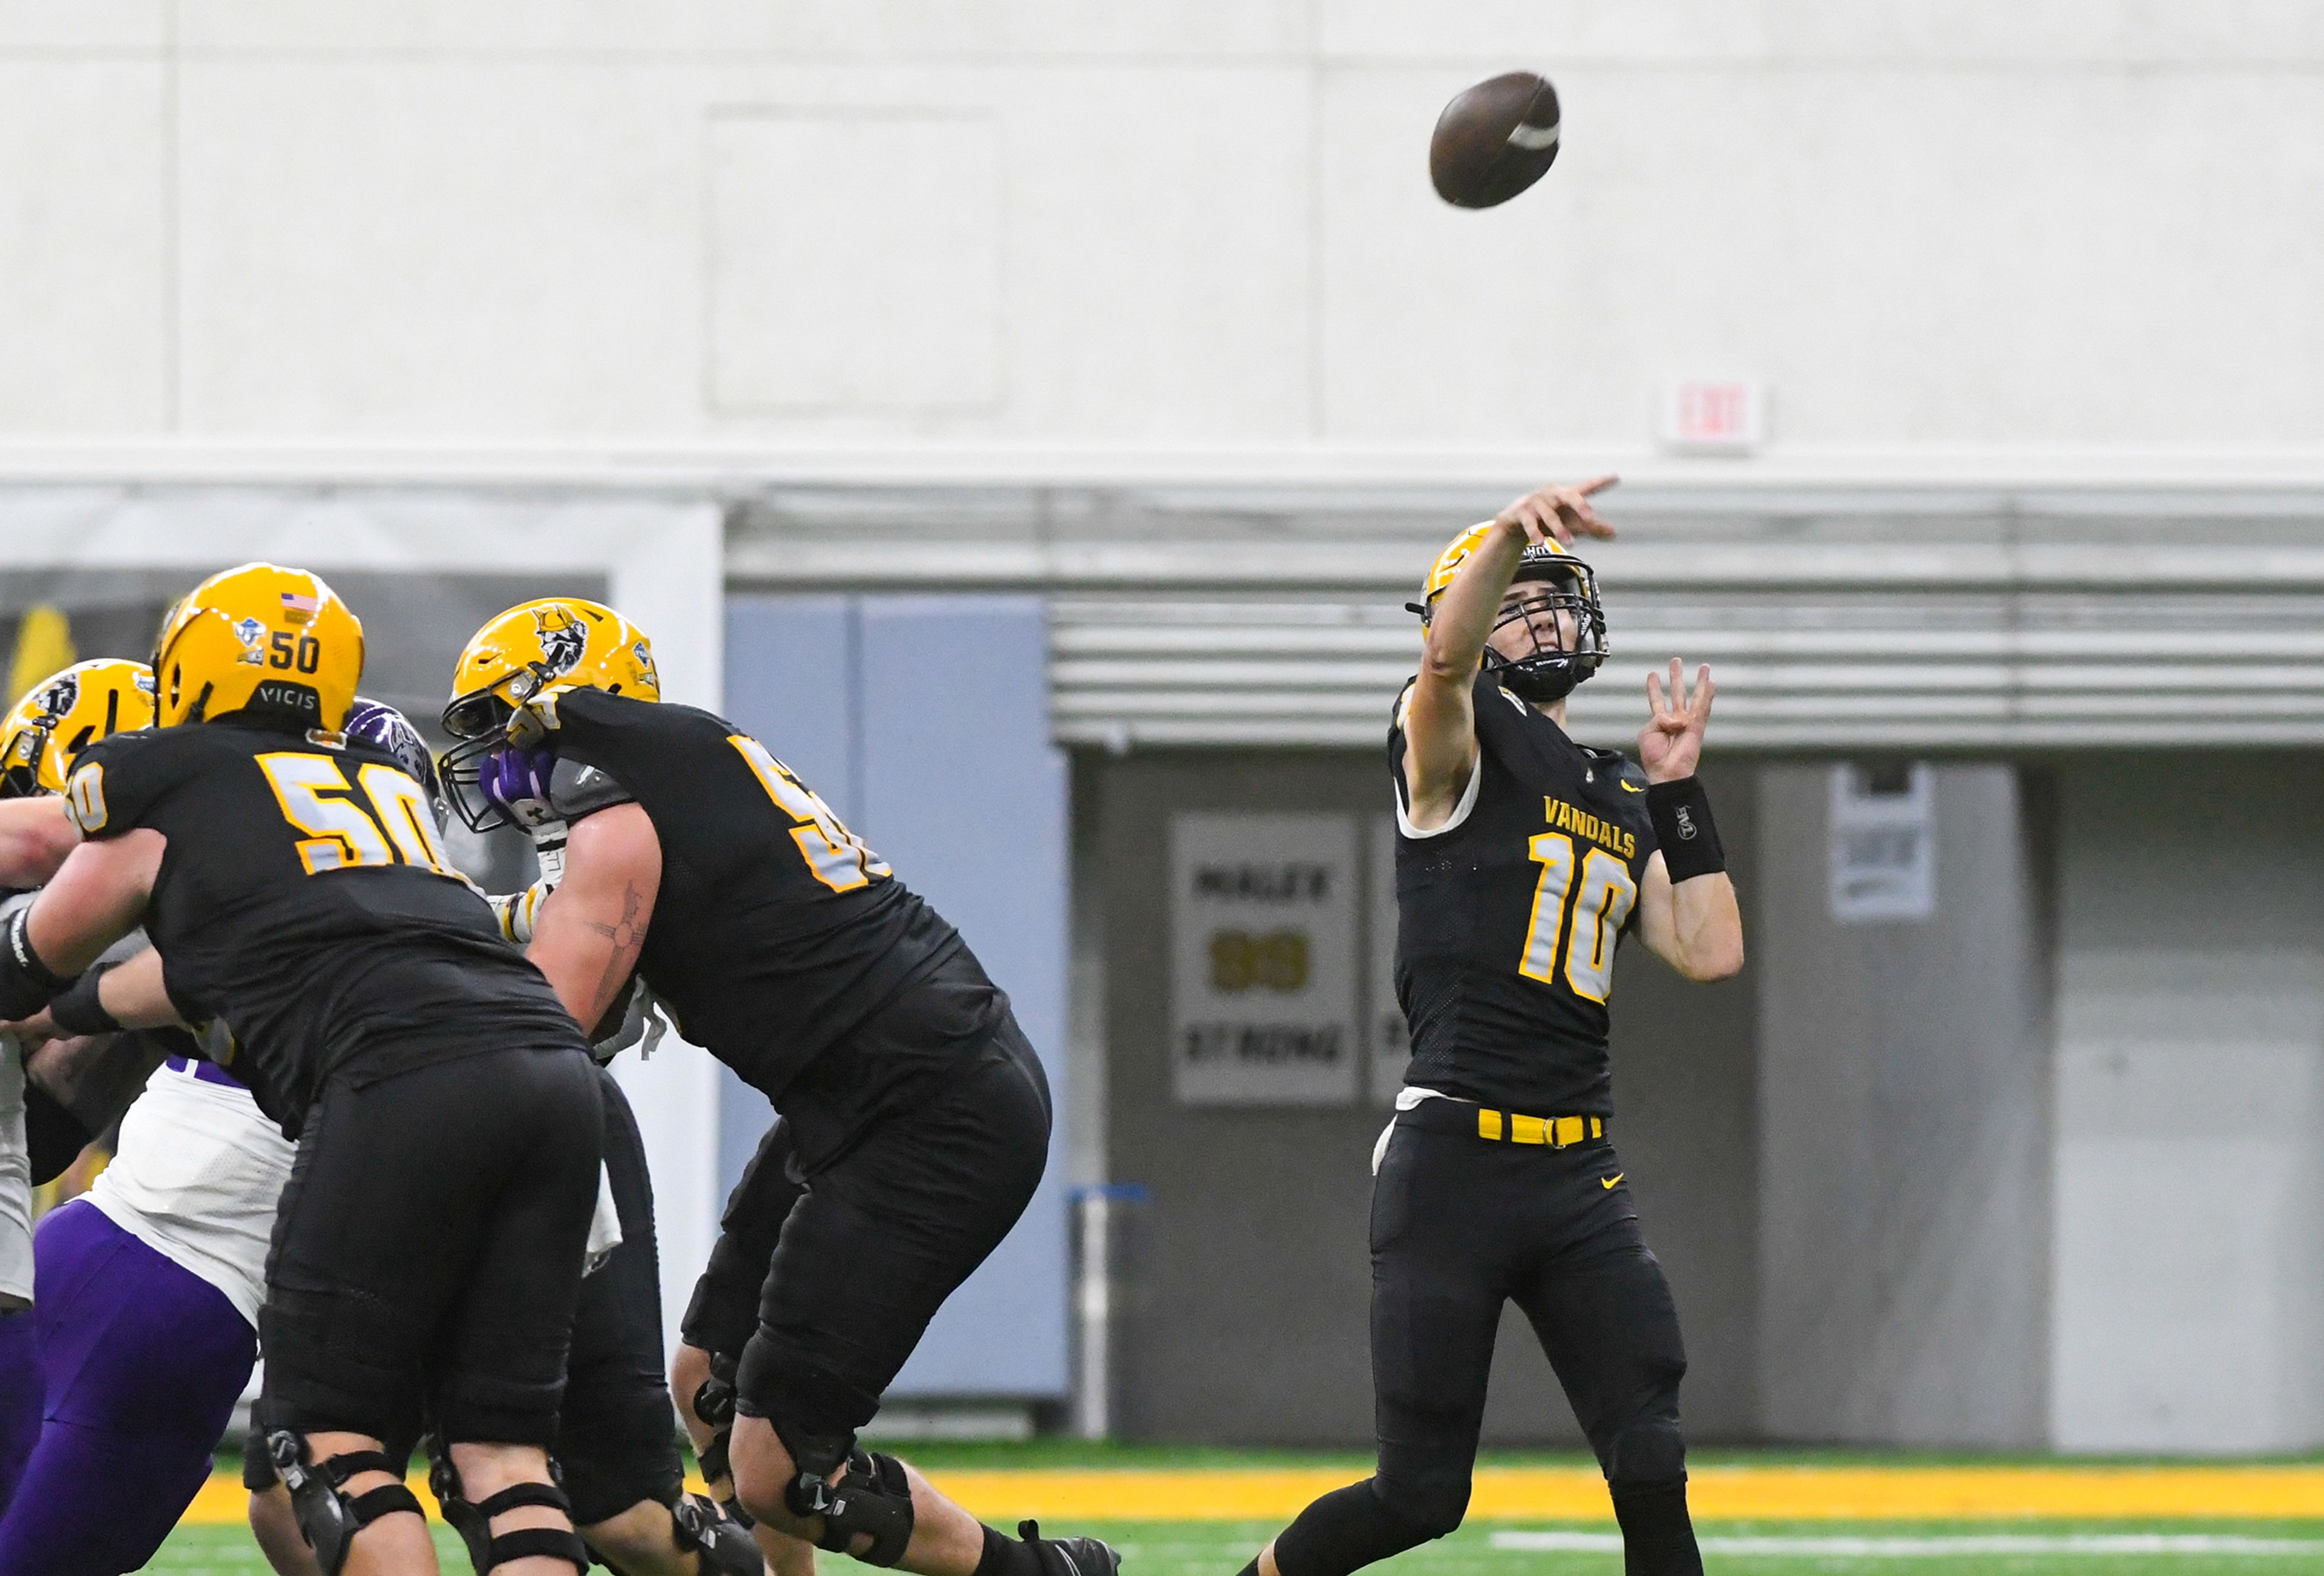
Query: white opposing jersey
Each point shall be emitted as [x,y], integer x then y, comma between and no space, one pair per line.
[199,1175]
[15,1158]
[15,1177]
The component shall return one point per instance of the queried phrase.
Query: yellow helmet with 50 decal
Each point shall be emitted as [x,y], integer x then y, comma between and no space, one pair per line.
[64,715]
[555,643]
[263,640]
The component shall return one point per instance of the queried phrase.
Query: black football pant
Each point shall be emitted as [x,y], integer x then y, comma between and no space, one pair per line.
[427,1252]
[1461,1225]
[827,1281]
[615,1443]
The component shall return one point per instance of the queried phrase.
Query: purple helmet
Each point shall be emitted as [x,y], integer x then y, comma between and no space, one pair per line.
[375,722]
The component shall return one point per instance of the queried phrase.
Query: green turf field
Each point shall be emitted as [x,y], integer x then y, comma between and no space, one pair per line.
[2052,1547]
[1181,1548]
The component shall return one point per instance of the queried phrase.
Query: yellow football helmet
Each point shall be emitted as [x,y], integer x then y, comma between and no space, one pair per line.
[261,639]
[557,642]
[1566,651]
[64,715]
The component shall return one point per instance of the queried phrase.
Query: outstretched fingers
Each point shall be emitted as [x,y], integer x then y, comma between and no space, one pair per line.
[1698,710]
[1557,513]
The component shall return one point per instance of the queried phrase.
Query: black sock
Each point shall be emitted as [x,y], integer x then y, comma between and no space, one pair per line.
[1006,1556]
[1658,1537]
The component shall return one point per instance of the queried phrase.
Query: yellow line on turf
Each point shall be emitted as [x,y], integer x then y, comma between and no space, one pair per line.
[1577,1494]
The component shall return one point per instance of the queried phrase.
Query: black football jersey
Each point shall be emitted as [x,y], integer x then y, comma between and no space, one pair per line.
[1507,918]
[305,902]
[774,931]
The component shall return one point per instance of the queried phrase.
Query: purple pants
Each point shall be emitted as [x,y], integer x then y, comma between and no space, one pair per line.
[20,1398]
[142,1362]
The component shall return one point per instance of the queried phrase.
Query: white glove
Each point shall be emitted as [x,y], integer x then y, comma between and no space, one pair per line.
[518,910]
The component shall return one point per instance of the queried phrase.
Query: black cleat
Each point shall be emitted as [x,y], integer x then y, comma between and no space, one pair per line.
[1070,1556]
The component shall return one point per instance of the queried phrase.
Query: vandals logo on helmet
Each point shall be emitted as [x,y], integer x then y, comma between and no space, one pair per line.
[562,637]
[644,654]
[58,698]
[252,636]
[144,682]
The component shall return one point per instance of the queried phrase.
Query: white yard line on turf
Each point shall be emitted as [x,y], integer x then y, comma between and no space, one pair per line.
[1597,1542]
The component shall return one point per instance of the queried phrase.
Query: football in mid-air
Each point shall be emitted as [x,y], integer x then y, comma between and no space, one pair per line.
[1495,140]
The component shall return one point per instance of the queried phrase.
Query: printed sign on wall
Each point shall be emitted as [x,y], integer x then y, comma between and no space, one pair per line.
[1391,1036]
[1883,843]
[1262,990]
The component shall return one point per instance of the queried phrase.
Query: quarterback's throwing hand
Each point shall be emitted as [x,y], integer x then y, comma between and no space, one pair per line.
[1671,742]
[1559,513]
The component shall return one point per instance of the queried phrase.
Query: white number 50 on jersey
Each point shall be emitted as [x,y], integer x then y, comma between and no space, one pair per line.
[340,831]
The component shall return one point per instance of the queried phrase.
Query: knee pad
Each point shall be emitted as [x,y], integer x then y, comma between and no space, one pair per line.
[473,1522]
[1648,1453]
[1431,1501]
[713,1403]
[328,1516]
[722,1541]
[875,1497]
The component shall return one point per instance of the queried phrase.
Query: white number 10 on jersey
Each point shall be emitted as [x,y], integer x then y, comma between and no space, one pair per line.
[1607,896]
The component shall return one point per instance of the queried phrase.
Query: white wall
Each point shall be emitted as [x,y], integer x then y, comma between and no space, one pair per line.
[2189,1301]
[2012,223]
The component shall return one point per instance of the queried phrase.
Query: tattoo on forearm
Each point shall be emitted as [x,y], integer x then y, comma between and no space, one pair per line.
[628,935]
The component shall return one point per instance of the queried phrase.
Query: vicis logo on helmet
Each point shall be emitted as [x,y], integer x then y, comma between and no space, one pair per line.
[289,697]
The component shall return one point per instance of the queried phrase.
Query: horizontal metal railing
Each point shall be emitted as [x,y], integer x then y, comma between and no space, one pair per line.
[1905,620]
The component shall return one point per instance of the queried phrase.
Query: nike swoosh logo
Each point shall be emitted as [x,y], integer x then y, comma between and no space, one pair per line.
[1632,787]
[1609,1183]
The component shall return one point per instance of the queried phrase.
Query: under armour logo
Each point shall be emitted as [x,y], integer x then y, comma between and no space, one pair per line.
[1686,825]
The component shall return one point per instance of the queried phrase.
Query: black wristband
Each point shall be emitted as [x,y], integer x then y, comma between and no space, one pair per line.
[26,983]
[78,1010]
[1689,839]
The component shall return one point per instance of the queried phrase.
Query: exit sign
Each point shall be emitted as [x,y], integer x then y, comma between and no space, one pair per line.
[1715,416]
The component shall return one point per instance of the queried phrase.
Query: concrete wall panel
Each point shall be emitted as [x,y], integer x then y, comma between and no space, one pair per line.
[1902,1125]
[2189,1304]
[85,287]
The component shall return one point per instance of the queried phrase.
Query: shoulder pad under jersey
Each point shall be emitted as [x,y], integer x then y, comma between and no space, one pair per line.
[575,791]
[118,780]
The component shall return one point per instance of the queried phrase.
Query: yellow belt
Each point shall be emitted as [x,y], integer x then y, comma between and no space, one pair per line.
[1557,1131]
